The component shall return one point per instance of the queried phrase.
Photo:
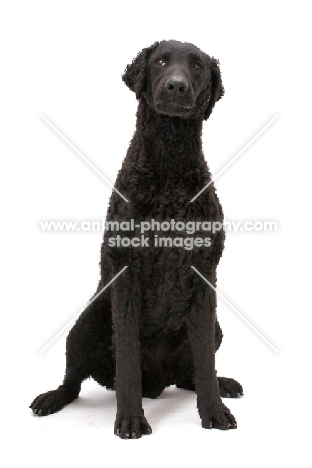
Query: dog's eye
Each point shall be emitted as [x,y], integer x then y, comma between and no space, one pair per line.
[160,62]
[196,66]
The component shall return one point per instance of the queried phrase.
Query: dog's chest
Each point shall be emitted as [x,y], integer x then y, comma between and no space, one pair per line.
[166,291]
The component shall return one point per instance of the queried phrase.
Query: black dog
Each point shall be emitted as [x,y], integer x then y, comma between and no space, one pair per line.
[156,325]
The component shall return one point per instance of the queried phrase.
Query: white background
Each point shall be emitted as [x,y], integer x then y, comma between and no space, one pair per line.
[64,59]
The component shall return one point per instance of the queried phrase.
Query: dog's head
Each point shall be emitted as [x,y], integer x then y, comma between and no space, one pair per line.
[176,79]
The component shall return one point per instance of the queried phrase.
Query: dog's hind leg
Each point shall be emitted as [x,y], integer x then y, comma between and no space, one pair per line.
[82,341]
[229,388]
[54,400]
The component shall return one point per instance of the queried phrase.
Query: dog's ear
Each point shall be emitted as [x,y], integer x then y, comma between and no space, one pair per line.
[135,75]
[215,89]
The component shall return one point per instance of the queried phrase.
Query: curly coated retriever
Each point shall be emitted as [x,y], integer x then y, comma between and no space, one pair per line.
[155,325]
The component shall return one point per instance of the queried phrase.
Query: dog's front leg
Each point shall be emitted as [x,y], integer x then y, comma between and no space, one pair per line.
[130,420]
[201,326]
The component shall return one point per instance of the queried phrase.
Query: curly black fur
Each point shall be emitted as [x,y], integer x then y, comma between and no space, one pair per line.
[156,324]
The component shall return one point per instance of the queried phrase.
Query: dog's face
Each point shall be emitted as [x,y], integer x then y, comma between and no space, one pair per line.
[176,79]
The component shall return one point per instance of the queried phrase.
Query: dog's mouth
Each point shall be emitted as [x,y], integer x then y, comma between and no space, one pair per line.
[172,108]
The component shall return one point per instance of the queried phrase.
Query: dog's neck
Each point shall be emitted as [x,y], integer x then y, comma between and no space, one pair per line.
[174,141]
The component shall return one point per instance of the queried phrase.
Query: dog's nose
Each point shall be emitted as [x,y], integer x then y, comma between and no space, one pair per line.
[177,85]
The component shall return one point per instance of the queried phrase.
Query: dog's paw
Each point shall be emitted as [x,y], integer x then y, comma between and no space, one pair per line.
[229,388]
[219,417]
[131,427]
[49,402]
